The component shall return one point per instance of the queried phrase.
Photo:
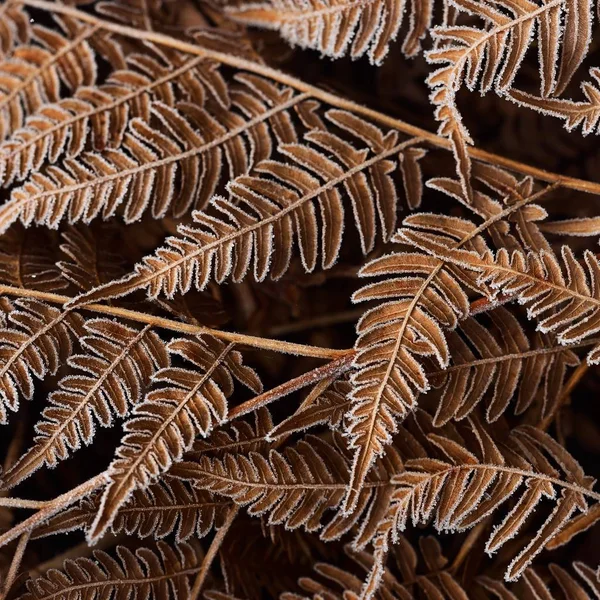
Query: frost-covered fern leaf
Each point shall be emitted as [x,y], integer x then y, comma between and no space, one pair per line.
[89,257]
[185,402]
[28,260]
[38,339]
[462,489]
[563,298]
[32,74]
[490,56]
[337,28]
[329,408]
[96,118]
[417,571]
[110,377]
[238,437]
[168,506]
[15,28]
[168,164]
[302,198]
[417,298]
[586,113]
[161,574]
[581,581]
[501,358]
[295,487]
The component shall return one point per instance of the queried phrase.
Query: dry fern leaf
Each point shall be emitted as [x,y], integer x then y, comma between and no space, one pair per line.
[463,489]
[482,58]
[160,574]
[110,378]
[337,28]
[166,507]
[586,114]
[171,163]
[329,408]
[15,28]
[162,427]
[292,488]
[564,299]
[239,437]
[32,75]
[37,341]
[90,259]
[417,572]
[97,117]
[501,357]
[576,526]
[28,260]
[256,227]
[418,297]
[536,587]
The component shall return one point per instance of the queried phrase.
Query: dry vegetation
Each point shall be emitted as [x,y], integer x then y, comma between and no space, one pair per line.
[266,333]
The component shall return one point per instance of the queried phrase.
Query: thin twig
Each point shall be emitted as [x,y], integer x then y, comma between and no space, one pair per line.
[161,322]
[53,507]
[327,97]
[333,368]
[212,552]
[15,563]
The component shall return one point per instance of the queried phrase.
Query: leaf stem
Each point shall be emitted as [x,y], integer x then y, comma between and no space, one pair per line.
[327,97]
[161,322]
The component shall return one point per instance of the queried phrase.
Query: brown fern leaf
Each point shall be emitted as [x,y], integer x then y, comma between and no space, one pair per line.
[490,57]
[164,425]
[330,408]
[166,507]
[418,572]
[171,163]
[502,357]
[15,28]
[28,260]
[337,28]
[565,299]
[118,364]
[461,490]
[239,437]
[586,114]
[33,74]
[255,228]
[160,574]
[38,339]
[537,587]
[96,118]
[576,526]
[294,487]
[417,298]
[90,259]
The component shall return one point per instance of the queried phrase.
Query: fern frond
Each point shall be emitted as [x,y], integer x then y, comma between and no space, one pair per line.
[168,506]
[337,28]
[417,298]
[118,364]
[255,228]
[502,357]
[563,298]
[171,163]
[586,114]
[160,574]
[38,339]
[97,117]
[15,28]
[164,425]
[294,487]
[32,74]
[461,490]
[28,260]
[536,586]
